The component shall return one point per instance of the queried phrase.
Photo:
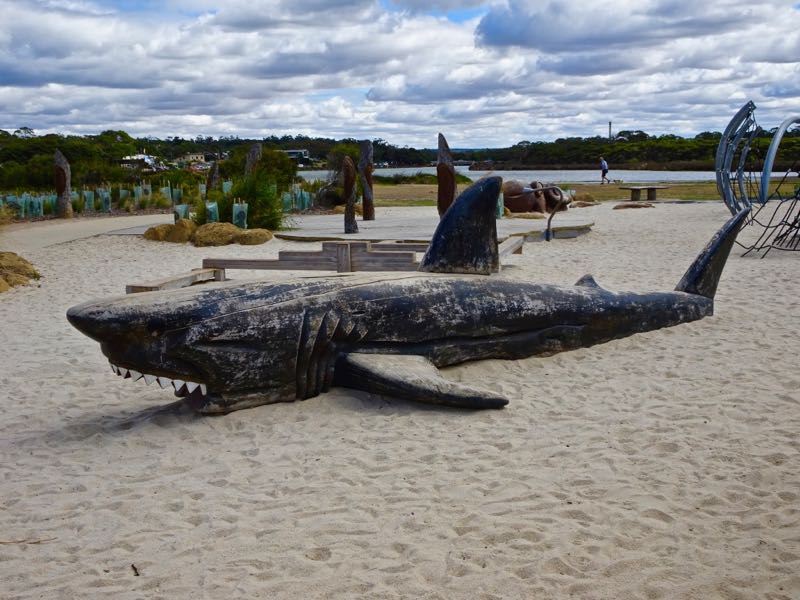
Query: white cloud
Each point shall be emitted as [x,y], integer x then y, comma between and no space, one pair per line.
[362,68]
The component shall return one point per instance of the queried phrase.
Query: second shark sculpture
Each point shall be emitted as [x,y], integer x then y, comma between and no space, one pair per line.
[229,346]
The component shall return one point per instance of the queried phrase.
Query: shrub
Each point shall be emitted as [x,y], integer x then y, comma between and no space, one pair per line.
[265,210]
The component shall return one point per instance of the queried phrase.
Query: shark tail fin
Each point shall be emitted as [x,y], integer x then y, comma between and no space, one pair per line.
[703,276]
[466,239]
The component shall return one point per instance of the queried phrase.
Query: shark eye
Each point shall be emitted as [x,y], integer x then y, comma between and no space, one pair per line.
[156,326]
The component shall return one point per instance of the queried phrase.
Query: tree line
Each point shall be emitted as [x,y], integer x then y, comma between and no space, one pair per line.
[26,159]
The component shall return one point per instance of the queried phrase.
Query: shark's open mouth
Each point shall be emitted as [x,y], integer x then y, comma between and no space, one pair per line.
[182,388]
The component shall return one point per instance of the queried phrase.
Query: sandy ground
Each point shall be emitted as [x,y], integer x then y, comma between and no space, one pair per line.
[664,465]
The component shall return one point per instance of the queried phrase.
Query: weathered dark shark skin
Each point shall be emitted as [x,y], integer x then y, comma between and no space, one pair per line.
[237,345]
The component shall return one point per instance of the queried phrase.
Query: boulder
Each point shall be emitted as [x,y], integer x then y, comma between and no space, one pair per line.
[253,237]
[15,270]
[216,234]
[158,233]
[13,263]
[181,232]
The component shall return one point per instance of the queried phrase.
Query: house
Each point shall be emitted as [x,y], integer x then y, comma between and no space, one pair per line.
[144,162]
[193,157]
[299,155]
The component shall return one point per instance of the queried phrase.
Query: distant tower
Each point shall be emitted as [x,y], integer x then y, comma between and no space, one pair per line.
[609,131]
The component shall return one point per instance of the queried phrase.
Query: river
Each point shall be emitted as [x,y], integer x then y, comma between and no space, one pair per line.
[553,176]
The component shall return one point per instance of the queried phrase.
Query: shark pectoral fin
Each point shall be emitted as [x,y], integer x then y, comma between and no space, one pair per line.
[410,378]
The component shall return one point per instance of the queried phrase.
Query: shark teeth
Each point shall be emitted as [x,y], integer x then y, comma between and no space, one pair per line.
[187,387]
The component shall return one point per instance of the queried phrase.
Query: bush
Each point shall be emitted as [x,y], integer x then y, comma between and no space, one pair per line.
[265,210]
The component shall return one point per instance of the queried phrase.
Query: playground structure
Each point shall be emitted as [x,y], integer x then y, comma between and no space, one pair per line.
[776,212]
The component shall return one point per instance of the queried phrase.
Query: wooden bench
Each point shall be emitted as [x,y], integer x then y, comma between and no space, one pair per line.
[636,191]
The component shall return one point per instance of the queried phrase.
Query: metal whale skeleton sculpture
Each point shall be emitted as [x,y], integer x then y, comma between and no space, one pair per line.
[237,345]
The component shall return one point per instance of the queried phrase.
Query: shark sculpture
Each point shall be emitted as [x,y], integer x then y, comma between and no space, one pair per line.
[229,346]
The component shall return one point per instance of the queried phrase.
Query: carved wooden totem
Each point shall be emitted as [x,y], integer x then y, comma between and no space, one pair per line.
[365,168]
[253,156]
[349,176]
[63,176]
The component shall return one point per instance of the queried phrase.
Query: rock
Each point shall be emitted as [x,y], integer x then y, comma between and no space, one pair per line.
[216,234]
[253,237]
[158,233]
[14,271]
[15,279]
[623,205]
[13,263]
[181,232]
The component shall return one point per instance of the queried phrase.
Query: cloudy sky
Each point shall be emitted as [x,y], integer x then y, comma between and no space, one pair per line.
[483,73]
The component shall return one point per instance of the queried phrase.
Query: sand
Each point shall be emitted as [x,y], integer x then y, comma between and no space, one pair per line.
[664,465]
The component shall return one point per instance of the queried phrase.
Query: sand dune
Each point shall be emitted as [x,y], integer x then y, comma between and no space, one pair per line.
[664,465]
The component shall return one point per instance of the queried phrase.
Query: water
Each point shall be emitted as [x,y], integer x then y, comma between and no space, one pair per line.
[552,176]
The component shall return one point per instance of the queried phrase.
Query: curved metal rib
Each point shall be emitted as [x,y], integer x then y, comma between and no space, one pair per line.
[763,192]
[740,125]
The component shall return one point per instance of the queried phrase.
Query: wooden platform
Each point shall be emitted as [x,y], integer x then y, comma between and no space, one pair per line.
[346,257]
[342,257]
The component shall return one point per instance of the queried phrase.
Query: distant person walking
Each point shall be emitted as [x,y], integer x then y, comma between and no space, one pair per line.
[603,171]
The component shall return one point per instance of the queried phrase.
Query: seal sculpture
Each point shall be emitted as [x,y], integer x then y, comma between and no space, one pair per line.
[228,346]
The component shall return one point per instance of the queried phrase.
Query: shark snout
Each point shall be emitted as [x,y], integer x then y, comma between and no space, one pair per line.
[98,321]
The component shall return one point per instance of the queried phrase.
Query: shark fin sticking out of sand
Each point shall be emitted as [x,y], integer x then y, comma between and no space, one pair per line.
[229,346]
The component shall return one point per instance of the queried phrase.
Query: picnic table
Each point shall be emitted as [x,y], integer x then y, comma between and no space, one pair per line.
[636,191]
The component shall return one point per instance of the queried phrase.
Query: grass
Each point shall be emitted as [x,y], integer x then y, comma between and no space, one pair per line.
[425,194]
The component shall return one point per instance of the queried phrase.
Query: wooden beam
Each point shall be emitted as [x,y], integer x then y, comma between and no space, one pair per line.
[178,281]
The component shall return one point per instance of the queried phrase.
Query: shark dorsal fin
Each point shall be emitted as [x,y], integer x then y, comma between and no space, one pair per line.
[587,281]
[466,239]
